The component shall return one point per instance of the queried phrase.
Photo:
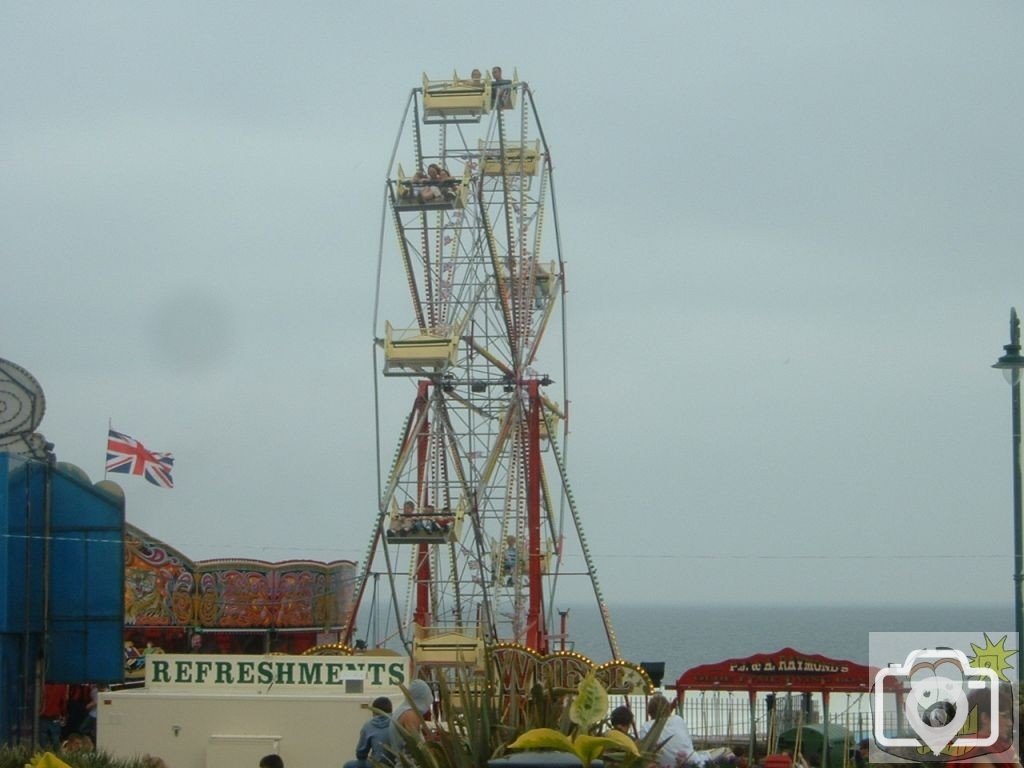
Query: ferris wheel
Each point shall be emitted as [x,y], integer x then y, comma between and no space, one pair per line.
[477,525]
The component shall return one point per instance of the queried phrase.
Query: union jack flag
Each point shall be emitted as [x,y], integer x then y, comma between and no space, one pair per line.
[130,457]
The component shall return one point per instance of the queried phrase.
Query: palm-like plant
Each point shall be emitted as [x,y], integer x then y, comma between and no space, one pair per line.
[472,732]
[586,735]
[475,731]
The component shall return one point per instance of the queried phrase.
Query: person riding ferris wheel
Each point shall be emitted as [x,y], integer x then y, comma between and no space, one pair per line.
[477,524]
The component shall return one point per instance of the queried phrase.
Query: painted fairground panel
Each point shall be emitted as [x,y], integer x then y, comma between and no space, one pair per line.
[518,668]
[175,604]
[250,593]
[158,583]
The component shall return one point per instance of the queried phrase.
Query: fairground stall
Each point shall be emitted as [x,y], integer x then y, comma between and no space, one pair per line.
[199,710]
[779,679]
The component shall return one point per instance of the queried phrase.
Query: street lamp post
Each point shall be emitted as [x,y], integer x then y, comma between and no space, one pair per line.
[1012,363]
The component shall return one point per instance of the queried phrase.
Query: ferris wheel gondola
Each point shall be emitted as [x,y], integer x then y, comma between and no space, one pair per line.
[477,524]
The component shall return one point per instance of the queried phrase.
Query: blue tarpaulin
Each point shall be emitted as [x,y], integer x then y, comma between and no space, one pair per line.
[61,585]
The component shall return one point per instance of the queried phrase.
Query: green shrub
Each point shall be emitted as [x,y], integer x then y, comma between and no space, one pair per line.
[19,757]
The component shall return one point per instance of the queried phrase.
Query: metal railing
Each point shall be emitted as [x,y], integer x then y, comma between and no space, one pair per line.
[717,718]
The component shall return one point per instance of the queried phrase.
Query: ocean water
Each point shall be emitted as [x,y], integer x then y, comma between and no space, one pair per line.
[684,636]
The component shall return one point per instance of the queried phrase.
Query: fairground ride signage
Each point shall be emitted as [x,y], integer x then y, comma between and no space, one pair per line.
[330,675]
[784,670]
[790,664]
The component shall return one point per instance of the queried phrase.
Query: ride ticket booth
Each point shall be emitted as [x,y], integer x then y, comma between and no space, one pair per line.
[202,711]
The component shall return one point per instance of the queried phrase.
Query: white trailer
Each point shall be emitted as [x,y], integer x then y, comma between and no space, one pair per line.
[201,711]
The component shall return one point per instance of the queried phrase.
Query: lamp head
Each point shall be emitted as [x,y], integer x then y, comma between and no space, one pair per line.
[1012,363]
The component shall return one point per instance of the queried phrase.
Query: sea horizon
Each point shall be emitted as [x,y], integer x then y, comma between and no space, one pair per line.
[685,635]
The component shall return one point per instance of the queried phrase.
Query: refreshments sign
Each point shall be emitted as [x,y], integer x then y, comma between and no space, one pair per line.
[276,674]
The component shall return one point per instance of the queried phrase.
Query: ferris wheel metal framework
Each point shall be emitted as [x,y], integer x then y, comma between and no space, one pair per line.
[476,518]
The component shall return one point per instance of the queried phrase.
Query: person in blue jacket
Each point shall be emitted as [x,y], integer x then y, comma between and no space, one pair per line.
[378,741]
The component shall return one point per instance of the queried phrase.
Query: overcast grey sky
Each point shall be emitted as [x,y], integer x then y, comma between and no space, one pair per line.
[793,234]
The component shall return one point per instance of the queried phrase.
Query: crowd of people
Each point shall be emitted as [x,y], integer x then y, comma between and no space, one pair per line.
[385,734]
[390,730]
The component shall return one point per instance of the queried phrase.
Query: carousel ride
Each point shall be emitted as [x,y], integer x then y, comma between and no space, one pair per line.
[477,528]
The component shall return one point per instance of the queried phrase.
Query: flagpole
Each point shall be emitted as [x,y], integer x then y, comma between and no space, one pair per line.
[110,426]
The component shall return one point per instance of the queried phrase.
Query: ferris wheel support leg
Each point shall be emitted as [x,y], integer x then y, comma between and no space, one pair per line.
[536,636]
[422,612]
[422,616]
